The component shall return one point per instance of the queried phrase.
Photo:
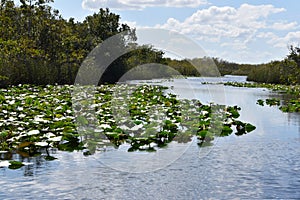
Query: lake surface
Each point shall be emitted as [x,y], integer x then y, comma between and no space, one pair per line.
[264,164]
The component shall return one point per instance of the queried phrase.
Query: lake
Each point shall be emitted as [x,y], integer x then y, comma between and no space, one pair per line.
[264,164]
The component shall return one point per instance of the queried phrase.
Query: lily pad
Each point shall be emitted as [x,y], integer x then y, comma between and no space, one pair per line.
[15,164]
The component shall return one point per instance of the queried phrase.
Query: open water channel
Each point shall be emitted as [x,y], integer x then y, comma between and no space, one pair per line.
[264,164]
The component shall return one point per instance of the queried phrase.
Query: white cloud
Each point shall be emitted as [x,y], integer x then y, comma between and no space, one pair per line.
[284,26]
[291,38]
[236,45]
[225,21]
[139,4]
[242,33]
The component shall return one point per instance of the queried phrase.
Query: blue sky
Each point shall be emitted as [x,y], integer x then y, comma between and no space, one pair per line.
[253,31]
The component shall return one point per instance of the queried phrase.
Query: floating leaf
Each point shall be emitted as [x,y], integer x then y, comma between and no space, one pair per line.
[226,131]
[260,102]
[15,164]
[49,158]
[249,127]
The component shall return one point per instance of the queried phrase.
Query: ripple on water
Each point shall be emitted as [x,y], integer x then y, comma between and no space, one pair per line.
[262,165]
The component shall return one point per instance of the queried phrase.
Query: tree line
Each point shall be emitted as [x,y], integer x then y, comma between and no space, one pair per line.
[286,71]
[39,46]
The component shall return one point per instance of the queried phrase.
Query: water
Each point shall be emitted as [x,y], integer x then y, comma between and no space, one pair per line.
[264,164]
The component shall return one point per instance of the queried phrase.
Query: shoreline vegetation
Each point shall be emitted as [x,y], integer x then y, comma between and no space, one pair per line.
[40,55]
[39,46]
[292,92]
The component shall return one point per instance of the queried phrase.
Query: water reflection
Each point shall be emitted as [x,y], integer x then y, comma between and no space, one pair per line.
[262,165]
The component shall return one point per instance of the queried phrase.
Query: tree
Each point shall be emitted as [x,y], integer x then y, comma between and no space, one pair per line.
[294,54]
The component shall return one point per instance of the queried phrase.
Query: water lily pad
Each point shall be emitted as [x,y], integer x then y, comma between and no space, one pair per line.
[15,164]
[49,158]
[249,127]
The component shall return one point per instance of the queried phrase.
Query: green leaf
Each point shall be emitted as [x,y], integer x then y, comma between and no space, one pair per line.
[226,131]
[249,127]
[15,164]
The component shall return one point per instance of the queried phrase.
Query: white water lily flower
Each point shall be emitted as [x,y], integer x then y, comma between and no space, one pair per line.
[27,163]
[45,129]
[207,119]
[58,108]
[204,112]
[38,119]
[21,116]
[13,113]
[111,120]
[55,139]
[33,132]
[137,127]
[123,127]
[104,126]
[4,163]
[11,102]
[99,111]
[229,121]
[59,119]
[41,144]
[11,119]
[131,134]
[49,135]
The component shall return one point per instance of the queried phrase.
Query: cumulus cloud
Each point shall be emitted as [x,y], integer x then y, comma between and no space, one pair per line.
[226,21]
[241,29]
[291,38]
[284,26]
[139,4]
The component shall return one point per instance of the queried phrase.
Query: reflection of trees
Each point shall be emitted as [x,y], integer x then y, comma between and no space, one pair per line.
[32,164]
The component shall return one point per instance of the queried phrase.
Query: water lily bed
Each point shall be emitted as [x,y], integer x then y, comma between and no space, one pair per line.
[292,104]
[290,89]
[34,119]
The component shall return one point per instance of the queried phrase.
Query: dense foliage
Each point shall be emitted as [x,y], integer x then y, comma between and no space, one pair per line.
[282,72]
[38,46]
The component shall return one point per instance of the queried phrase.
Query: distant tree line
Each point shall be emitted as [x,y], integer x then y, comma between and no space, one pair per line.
[286,71]
[39,46]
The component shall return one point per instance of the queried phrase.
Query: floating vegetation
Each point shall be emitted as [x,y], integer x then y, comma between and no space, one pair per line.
[292,104]
[290,89]
[269,102]
[34,119]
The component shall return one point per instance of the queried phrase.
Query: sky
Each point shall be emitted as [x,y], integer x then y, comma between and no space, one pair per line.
[253,31]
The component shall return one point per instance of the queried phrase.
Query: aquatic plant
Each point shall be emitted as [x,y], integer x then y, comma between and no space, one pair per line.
[292,104]
[34,119]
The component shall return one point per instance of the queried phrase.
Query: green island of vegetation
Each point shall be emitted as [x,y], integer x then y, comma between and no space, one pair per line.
[40,55]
